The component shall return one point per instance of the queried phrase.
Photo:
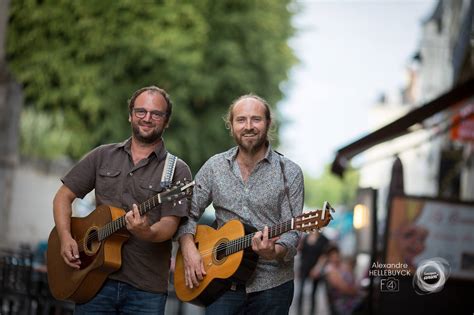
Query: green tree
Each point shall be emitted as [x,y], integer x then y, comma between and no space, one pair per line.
[331,188]
[79,62]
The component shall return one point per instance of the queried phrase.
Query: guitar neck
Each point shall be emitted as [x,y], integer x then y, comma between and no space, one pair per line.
[143,208]
[244,242]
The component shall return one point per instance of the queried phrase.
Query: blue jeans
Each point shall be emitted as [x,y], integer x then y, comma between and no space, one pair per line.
[275,301]
[117,297]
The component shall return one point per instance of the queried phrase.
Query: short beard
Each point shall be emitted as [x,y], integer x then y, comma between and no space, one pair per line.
[152,138]
[253,148]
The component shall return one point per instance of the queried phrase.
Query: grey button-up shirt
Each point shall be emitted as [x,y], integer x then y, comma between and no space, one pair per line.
[259,202]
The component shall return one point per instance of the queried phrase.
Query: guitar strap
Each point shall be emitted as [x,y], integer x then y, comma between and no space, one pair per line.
[168,171]
[285,181]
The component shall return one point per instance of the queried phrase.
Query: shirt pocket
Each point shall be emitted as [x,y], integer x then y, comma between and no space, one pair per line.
[108,182]
[148,189]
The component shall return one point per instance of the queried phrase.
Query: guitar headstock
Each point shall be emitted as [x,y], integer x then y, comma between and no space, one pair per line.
[178,191]
[314,220]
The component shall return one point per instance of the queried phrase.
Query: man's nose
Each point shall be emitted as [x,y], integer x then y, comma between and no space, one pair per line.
[147,116]
[248,124]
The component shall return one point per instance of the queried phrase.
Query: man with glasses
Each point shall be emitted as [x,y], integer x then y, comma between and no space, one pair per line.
[124,175]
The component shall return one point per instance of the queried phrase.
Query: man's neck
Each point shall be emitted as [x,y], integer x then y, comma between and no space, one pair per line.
[248,160]
[142,150]
[251,158]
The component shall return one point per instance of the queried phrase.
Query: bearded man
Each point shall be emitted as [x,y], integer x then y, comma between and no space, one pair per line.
[124,175]
[258,186]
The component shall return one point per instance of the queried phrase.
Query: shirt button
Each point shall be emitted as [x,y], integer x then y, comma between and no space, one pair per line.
[246,190]
[108,173]
[151,186]
[245,208]
[131,174]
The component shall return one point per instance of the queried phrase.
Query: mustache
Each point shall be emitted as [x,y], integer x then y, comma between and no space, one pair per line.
[145,123]
[249,132]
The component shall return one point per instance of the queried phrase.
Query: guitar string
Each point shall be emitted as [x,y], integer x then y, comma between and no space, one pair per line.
[111,227]
[236,245]
[244,241]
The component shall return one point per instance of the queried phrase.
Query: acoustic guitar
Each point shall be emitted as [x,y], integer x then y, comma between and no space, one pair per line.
[100,237]
[228,257]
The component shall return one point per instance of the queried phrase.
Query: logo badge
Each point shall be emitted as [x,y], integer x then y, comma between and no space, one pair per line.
[431,275]
[389,285]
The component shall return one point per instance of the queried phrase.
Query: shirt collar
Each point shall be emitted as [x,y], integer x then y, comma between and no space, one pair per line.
[231,154]
[159,151]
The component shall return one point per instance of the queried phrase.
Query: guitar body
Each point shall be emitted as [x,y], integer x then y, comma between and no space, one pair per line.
[221,272]
[98,259]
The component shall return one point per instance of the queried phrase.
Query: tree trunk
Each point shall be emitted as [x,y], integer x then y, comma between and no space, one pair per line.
[10,107]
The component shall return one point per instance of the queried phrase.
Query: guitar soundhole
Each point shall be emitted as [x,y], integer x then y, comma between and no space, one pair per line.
[220,251]
[91,242]
[219,255]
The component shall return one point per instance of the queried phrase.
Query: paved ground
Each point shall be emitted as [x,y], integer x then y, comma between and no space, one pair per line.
[321,301]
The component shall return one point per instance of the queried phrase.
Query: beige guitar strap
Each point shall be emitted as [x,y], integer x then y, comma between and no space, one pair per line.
[168,171]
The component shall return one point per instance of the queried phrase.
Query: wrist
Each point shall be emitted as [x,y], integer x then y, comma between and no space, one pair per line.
[186,240]
[280,251]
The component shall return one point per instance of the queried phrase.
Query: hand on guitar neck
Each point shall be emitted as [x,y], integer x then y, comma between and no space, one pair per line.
[158,232]
[265,247]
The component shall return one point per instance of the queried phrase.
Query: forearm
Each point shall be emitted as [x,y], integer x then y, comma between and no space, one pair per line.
[280,251]
[62,210]
[289,241]
[162,230]
[186,240]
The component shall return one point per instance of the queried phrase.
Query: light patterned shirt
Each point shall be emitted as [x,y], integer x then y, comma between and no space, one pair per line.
[259,202]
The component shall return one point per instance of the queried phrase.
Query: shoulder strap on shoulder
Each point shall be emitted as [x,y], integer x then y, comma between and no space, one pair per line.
[168,170]
[285,181]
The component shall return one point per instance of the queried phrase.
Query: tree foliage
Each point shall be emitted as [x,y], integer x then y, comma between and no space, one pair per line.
[331,188]
[79,62]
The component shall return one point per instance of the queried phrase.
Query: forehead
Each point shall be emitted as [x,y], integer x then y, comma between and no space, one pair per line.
[151,100]
[249,107]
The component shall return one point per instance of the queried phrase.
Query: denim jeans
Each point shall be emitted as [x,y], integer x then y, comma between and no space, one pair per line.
[117,297]
[274,301]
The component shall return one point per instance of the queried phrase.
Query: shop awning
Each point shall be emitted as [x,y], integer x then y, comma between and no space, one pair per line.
[401,126]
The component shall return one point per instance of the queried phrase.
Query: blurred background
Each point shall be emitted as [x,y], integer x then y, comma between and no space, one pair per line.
[374,99]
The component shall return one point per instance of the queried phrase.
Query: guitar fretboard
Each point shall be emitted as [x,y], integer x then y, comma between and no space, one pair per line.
[244,242]
[167,196]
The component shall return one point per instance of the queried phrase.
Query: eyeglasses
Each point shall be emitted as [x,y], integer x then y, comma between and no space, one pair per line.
[155,114]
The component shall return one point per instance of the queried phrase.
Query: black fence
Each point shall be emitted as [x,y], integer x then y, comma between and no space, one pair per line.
[24,284]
